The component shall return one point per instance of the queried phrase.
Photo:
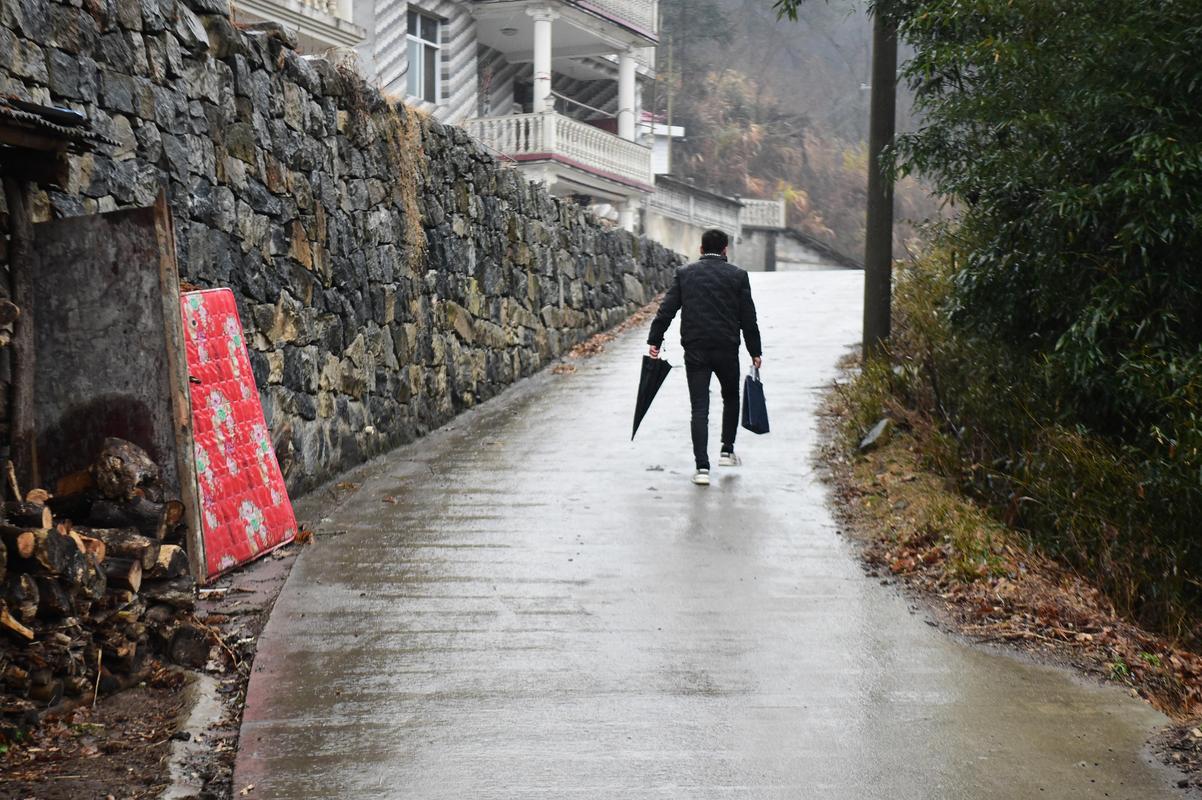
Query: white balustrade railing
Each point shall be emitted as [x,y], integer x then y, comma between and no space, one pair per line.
[287,10]
[764,214]
[552,134]
[641,14]
[671,201]
[520,134]
[695,208]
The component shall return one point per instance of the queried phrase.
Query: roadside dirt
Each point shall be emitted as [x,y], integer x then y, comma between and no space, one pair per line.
[118,749]
[122,748]
[983,581]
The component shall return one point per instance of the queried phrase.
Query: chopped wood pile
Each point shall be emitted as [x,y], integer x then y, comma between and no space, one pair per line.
[94,580]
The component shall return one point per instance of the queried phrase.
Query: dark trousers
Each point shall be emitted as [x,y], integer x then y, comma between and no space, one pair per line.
[699,365]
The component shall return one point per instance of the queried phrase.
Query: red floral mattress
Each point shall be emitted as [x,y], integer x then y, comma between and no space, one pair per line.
[245,510]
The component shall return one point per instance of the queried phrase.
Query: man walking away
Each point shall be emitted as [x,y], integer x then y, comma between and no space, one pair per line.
[714,297]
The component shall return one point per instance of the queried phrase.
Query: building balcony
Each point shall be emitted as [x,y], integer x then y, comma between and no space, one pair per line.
[320,25]
[572,157]
[582,27]
[639,15]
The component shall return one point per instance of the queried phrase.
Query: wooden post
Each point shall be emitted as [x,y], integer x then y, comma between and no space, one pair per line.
[878,245]
[20,258]
[181,403]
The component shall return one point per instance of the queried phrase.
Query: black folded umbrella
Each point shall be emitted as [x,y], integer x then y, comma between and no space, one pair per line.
[654,372]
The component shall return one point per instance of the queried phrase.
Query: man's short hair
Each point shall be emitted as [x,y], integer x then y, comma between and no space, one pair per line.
[714,241]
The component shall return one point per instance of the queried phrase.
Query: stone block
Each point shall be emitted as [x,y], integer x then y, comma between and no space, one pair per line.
[30,18]
[634,288]
[460,320]
[330,376]
[23,58]
[71,29]
[275,366]
[240,142]
[301,369]
[356,381]
[224,39]
[273,31]
[63,75]
[219,7]
[156,15]
[117,91]
[128,14]
[281,325]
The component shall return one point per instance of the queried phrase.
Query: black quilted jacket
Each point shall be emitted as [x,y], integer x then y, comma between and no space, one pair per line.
[715,296]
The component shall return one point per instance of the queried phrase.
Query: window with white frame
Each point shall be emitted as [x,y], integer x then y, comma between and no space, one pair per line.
[423,57]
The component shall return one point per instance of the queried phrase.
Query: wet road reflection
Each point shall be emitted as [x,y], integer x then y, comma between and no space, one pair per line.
[551,611]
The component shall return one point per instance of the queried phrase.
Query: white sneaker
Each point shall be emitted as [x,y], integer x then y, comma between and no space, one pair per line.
[728,460]
[702,478]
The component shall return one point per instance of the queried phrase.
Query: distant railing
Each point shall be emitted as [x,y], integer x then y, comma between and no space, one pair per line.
[764,214]
[335,8]
[639,14]
[694,208]
[296,13]
[551,134]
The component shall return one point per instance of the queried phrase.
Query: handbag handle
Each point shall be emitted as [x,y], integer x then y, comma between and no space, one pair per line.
[754,372]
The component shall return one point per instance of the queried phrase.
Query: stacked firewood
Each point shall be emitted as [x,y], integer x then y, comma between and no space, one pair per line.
[93,581]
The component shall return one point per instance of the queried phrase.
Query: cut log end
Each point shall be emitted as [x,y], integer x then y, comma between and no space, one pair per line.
[172,563]
[38,496]
[123,572]
[124,543]
[13,625]
[19,543]
[24,514]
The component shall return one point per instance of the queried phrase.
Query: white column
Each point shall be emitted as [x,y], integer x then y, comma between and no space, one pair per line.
[543,17]
[628,215]
[626,95]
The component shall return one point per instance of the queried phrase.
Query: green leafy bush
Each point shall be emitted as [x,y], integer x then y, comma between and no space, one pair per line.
[985,415]
[1069,131]
[1058,329]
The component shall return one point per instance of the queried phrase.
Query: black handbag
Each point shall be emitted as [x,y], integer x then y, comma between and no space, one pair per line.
[755,409]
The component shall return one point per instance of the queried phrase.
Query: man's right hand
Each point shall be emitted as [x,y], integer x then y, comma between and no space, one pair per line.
[758,361]
[653,352]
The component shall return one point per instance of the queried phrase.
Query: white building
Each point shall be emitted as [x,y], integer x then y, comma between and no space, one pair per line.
[555,86]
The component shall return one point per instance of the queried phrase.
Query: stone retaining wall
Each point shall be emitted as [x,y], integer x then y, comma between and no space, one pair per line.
[389,272]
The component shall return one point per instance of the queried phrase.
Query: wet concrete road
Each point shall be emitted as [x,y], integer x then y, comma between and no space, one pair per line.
[550,611]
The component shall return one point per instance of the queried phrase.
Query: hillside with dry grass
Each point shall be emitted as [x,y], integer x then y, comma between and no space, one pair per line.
[775,108]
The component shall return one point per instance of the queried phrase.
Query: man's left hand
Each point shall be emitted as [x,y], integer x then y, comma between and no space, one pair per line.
[654,351]
[758,361]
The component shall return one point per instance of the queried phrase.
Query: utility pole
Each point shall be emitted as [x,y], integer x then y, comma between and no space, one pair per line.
[671,169]
[878,238]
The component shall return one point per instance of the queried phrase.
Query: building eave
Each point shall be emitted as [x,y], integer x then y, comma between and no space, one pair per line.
[320,26]
[556,158]
[688,187]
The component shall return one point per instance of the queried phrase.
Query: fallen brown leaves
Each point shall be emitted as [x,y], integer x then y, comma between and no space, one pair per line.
[596,343]
[983,580]
[117,748]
